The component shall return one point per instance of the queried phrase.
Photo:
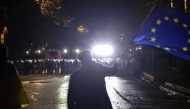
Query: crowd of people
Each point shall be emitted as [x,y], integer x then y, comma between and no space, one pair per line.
[68,66]
[45,66]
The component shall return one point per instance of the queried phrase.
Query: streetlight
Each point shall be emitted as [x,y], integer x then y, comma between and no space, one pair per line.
[77,50]
[39,51]
[65,50]
[27,52]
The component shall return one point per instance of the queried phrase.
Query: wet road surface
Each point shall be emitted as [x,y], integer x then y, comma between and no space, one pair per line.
[135,93]
[49,91]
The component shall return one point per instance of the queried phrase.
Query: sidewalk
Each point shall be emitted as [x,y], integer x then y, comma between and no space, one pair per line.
[180,86]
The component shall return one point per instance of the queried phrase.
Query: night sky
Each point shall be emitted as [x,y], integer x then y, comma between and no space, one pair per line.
[105,19]
[109,16]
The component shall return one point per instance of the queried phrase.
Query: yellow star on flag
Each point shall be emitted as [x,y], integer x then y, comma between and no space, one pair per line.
[185,49]
[158,46]
[166,18]
[167,48]
[153,39]
[158,22]
[176,20]
[153,30]
[188,40]
[185,25]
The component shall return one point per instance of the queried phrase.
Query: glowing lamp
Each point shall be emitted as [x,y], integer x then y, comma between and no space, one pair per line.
[39,51]
[27,52]
[65,50]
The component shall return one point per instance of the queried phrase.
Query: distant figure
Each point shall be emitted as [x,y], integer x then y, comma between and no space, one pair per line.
[87,87]
[43,67]
[26,67]
[56,65]
[75,65]
[38,66]
[68,66]
[62,64]
[12,94]
[51,66]
[33,66]
[47,65]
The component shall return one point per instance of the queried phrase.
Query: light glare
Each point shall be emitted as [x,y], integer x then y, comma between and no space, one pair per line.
[65,50]
[39,51]
[103,50]
[77,50]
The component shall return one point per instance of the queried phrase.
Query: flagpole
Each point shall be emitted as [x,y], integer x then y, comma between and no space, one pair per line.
[139,27]
[147,15]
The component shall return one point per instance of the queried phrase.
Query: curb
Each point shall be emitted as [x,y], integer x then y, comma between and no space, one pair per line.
[146,79]
[168,87]
[178,88]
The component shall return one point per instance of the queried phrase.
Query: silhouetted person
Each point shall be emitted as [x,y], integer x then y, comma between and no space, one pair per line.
[51,62]
[49,66]
[68,66]
[26,67]
[43,67]
[33,66]
[12,95]
[62,64]
[75,65]
[38,66]
[87,88]
[56,65]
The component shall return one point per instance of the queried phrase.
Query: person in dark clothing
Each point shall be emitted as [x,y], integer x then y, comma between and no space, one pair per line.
[75,65]
[87,87]
[38,66]
[62,64]
[47,66]
[26,67]
[33,66]
[51,66]
[12,94]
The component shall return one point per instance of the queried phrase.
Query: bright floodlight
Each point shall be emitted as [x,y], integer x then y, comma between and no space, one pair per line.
[77,50]
[39,51]
[65,50]
[27,52]
[103,50]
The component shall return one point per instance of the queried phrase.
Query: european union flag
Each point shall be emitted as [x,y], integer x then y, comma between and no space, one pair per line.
[168,29]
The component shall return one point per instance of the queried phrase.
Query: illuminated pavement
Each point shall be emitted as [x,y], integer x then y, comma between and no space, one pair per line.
[46,91]
[134,93]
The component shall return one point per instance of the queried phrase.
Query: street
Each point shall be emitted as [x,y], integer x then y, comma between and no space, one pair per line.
[49,91]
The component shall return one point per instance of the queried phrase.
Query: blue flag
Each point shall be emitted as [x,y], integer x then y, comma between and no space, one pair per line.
[168,29]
